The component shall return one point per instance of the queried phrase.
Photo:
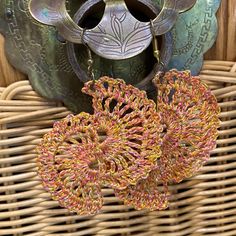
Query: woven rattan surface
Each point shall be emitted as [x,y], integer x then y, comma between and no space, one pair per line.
[203,205]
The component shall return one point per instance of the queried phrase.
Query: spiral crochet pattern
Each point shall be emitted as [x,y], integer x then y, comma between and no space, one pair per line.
[149,193]
[135,124]
[113,147]
[190,121]
[67,164]
[190,116]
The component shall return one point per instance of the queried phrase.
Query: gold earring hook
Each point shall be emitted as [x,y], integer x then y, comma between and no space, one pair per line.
[156,51]
[90,58]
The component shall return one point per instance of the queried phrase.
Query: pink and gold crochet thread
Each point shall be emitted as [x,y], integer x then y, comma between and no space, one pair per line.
[115,147]
[190,116]
[130,144]
[190,121]
[135,124]
[67,164]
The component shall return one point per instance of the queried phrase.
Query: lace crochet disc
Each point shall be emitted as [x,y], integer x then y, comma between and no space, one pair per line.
[147,194]
[189,114]
[134,122]
[114,148]
[67,161]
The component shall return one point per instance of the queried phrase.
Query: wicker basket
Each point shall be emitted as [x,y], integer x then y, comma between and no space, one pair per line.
[203,205]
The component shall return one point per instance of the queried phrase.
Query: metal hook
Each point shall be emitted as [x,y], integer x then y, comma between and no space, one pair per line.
[156,51]
[90,58]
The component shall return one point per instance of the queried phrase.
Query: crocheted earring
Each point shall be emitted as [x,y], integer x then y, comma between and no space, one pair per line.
[130,145]
[115,147]
[189,116]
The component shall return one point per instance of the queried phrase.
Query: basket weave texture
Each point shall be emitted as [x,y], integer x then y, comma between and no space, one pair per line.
[202,205]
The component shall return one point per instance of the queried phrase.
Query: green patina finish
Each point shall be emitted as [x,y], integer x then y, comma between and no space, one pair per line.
[37,50]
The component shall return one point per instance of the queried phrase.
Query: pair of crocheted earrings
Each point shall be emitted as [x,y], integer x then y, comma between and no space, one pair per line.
[130,143]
